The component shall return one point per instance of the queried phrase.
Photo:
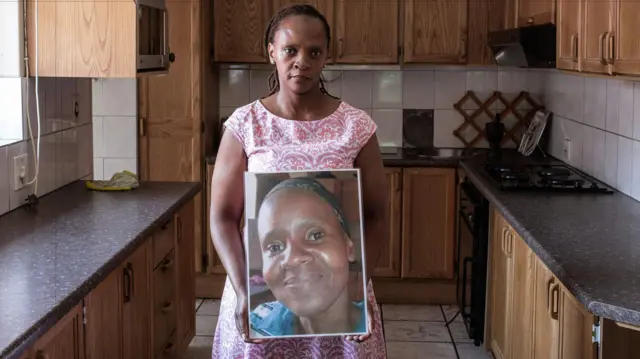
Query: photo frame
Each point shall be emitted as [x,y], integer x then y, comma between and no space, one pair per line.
[305,255]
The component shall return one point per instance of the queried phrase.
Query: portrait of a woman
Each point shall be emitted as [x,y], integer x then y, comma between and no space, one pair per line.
[307,250]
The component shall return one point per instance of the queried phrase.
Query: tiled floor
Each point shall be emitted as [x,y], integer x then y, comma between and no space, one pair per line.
[411,331]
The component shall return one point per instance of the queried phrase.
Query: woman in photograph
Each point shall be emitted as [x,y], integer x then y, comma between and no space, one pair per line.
[307,249]
[298,126]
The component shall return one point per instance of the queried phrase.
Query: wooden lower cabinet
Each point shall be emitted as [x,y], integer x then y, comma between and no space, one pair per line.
[144,309]
[532,315]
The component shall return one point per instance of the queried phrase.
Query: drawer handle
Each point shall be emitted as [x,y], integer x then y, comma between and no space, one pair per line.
[168,349]
[555,291]
[166,264]
[127,278]
[166,308]
[549,283]
[40,354]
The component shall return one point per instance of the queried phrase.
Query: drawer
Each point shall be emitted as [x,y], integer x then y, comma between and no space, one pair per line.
[163,241]
[169,349]
[165,306]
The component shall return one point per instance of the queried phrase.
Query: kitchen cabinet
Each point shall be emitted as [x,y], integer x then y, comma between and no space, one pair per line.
[623,44]
[597,26]
[435,31]
[536,12]
[239,28]
[568,39]
[64,341]
[428,223]
[388,265]
[484,16]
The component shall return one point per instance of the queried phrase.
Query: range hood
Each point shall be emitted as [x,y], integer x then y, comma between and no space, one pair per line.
[531,46]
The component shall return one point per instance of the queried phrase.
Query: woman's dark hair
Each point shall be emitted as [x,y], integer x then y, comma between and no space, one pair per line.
[285,12]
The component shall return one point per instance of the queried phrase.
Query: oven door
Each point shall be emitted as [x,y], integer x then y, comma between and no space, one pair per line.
[464,260]
[153,35]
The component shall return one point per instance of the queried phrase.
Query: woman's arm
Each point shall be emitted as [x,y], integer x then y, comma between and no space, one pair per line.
[375,202]
[227,204]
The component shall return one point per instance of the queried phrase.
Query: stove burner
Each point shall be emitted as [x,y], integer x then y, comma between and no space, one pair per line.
[563,182]
[555,172]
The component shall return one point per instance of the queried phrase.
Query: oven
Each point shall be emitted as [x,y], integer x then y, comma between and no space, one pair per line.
[472,258]
[153,36]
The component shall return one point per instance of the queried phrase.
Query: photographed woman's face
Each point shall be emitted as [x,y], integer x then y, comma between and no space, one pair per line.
[305,251]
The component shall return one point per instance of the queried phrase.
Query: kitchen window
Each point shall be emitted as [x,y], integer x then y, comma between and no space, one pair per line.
[11,70]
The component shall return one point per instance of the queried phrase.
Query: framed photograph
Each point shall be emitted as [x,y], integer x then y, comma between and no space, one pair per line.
[304,244]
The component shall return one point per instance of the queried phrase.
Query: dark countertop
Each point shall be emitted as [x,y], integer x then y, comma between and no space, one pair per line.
[591,243]
[399,157]
[52,257]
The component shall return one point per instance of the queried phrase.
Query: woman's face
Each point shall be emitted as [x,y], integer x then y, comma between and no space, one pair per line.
[305,251]
[299,51]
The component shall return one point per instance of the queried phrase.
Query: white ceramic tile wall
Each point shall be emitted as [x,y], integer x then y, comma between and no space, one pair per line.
[115,139]
[65,142]
[601,118]
[384,93]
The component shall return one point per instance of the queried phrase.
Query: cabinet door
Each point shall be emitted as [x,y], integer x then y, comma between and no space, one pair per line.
[103,326]
[487,16]
[64,341]
[524,262]
[546,330]
[366,31]
[428,222]
[568,36]
[186,278]
[536,12]
[624,44]
[501,279]
[435,31]
[389,262]
[597,26]
[576,325]
[239,27]
[136,308]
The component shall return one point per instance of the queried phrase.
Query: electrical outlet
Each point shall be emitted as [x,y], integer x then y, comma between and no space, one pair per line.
[20,171]
[567,149]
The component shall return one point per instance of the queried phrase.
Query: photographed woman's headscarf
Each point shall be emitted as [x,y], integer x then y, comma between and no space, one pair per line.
[310,184]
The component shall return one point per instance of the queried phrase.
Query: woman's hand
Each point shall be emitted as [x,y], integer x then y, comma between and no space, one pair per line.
[242,319]
[370,325]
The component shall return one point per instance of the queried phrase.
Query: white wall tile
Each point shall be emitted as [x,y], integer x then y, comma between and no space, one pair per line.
[97,105]
[599,153]
[389,127]
[636,111]
[574,132]
[451,86]
[387,90]
[235,88]
[588,144]
[625,163]
[4,181]
[625,109]
[98,136]
[333,82]
[17,198]
[635,177]
[11,124]
[66,157]
[511,82]
[613,95]
[226,111]
[611,159]
[119,97]
[85,150]
[48,164]
[556,137]
[444,123]
[483,84]
[418,89]
[114,165]
[120,137]
[259,84]
[357,88]
[595,101]
[98,169]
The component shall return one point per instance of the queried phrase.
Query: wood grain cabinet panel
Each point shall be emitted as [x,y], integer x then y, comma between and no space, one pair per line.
[624,42]
[569,41]
[239,27]
[389,263]
[536,12]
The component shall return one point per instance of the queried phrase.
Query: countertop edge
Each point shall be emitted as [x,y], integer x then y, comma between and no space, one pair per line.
[19,346]
[598,308]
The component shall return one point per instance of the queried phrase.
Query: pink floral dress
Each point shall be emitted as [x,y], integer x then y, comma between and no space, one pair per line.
[272,143]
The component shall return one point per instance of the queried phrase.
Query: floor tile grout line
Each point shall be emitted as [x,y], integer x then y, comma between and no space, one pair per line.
[455,347]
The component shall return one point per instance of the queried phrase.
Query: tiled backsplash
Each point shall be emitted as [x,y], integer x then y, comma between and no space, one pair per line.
[115,144]
[601,118]
[65,143]
[385,93]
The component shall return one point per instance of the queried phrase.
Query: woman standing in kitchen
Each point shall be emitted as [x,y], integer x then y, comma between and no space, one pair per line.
[299,126]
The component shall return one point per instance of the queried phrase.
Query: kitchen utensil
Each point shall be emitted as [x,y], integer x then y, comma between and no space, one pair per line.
[531,137]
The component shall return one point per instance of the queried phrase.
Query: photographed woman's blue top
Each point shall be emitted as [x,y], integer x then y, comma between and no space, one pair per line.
[274,319]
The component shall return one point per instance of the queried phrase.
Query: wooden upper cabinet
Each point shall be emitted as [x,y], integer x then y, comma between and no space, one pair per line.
[569,41]
[478,50]
[624,42]
[597,28]
[366,31]
[428,222]
[536,12]
[239,28]
[389,263]
[435,31]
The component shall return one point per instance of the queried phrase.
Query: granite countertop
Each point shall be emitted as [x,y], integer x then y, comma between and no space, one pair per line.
[591,242]
[54,255]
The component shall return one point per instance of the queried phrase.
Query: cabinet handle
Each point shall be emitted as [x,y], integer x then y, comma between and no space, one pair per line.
[141,126]
[340,48]
[555,291]
[575,48]
[167,307]
[601,38]
[179,228]
[127,279]
[166,264]
[610,52]
[511,238]
[40,354]
[504,239]
[549,283]
[168,349]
